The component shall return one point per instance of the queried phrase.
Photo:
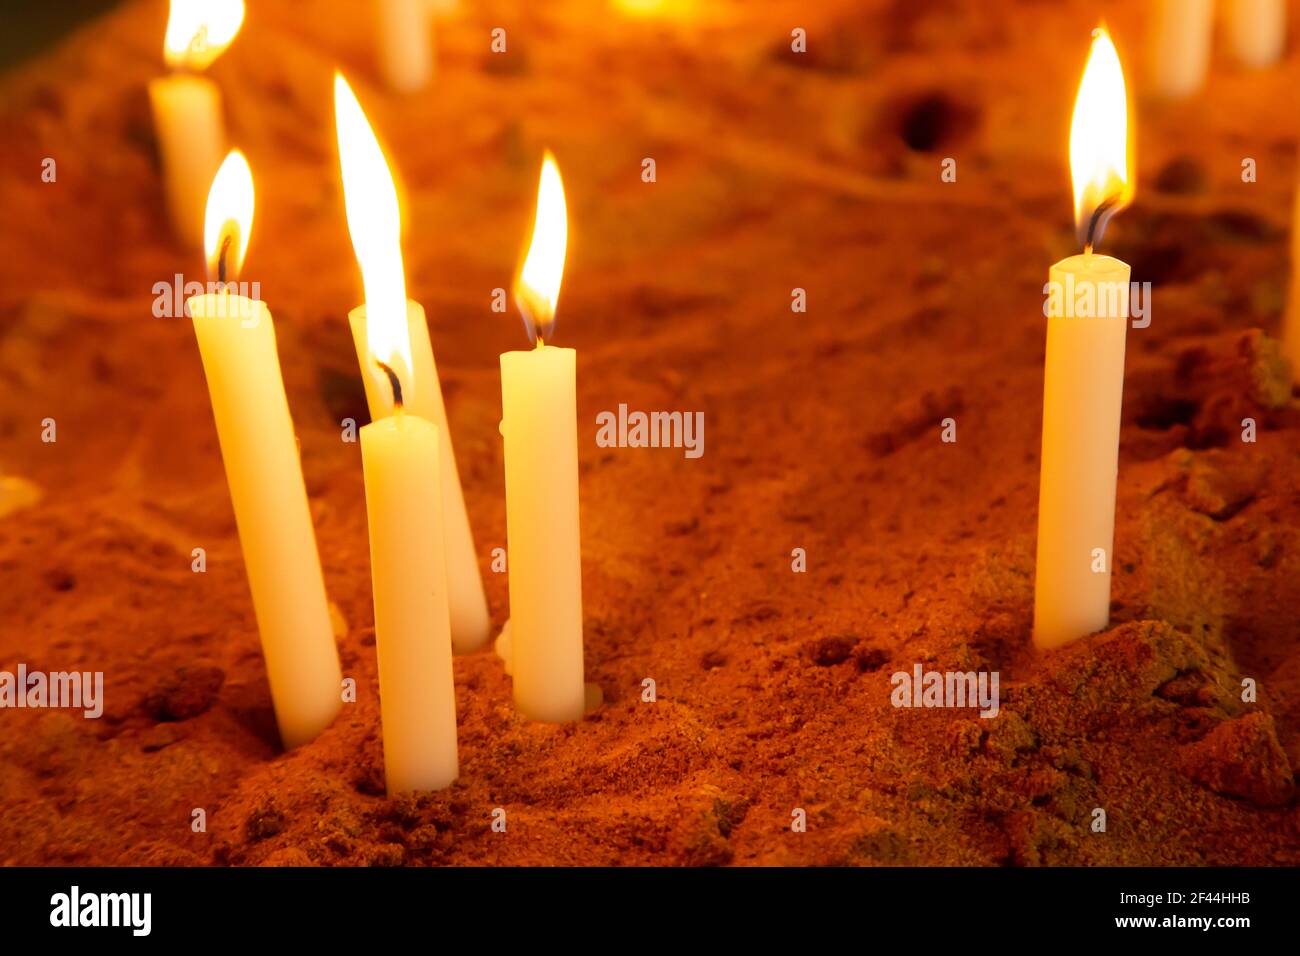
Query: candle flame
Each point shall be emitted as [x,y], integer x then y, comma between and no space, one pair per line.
[375,223]
[639,9]
[198,31]
[1099,149]
[538,288]
[228,221]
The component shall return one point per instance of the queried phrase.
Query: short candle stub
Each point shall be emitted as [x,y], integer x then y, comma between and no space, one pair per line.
[395,382]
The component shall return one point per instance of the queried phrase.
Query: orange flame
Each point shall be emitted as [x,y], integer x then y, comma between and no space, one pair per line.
[198,31]
[229,218]
[537,291]
[375,223]
[1100,160]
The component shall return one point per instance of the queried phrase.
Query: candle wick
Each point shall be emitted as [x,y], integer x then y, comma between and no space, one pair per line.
[541,342]
[221,259]
[1097,223]
[395,382]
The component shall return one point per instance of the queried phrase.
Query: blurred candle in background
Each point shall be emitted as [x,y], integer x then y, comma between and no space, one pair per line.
[400,461]
[16,494]
[1257,31]
[1083,375]
[405,43]
[1181,31]
[187,108]
[236,339]
[540,428]
[1291,320]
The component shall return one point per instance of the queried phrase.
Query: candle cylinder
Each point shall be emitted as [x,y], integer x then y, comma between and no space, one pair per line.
[417,695]
[1291,320]
[540,429]
[406,56]
[236,339]
[1181,46]
[470,626]
[1082,392]
[191,146]
[1257,31]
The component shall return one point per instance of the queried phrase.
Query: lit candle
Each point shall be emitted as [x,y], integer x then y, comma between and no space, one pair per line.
[1181,46]
[539,426]
[1257,31]
[400,460]
[406,52]
[470,625]
[1084,372]
[236,339]
[187,108]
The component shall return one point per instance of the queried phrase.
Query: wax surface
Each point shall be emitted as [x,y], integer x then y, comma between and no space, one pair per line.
[417,697]
[470,625]
[406,52]
[192,144]
[1083,386]
[237,343]
[1181,31]
[544,552]
[1257,31]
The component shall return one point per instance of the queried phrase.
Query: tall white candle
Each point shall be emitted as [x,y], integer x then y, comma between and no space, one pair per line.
[1083,376]
[1083,382]
[540,429]
[1257,31]
[417,694]
[406,50]
[403,499]
[187,108]
[1180,38]
[236,339]
[470,625]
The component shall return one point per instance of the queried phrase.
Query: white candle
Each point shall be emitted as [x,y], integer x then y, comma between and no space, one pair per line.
[1181,46]
[403,500]
[417,694]
[406,51]
[1083,376]
[236,339]
[540,429]
[1083,381]
[187,108]
[1257,31]
[470,625]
